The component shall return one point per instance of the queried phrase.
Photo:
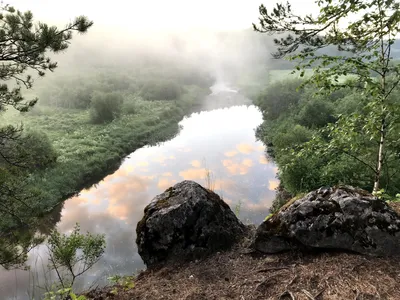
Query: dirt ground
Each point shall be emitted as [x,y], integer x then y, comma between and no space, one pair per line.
[395,206]
[243,275]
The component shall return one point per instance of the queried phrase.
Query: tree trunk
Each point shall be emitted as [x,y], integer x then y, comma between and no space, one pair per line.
[380,158]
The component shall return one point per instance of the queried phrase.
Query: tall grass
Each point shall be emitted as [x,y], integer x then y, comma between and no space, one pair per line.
[238,208]
[210,180]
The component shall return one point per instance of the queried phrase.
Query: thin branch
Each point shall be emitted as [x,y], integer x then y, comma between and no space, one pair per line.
[359,160]
[56,268]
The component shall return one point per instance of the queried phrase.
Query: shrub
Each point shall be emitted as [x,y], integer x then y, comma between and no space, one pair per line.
[278,98]
[161,90]
[70,256]
[291,137]
[130,107]
[39,149]
[316,113]
[32,150]
[105,107]
[38,110]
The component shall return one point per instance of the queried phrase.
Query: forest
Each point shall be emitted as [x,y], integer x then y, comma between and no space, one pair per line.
[295,119]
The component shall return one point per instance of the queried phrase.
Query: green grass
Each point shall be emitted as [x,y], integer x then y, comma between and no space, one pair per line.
[251,84]
[88,152]
[280,75]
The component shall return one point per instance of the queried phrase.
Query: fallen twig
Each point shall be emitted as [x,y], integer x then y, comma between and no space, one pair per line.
[287,294]
[319,293]
[308,294]
[274,269]
[295,277]
[265,281]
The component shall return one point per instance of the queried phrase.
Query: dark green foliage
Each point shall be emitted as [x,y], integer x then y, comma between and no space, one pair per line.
[27,153]
[105,107]
[38,150]
[364,35]
[316,113]
[16,245]
[303,165]
[281,96]
[29,150]
[129,107]
[25,46]
[160,90]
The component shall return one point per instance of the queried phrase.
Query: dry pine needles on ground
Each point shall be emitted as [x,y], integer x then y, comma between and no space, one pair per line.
[237,275]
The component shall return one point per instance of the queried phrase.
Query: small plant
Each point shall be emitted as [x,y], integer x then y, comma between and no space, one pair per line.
[210,180]
[268,217]
[121,282]
[381,194]
[238,207]
[71,256]
[209,177]
[66,293]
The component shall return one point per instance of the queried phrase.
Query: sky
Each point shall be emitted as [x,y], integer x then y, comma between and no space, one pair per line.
[143,15]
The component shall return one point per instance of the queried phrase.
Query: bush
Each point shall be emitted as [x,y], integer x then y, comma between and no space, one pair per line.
[292,137]
[39,149]
[38,110]
[105,107]
[316,113]
[71,256]
[278,98]
[32,150]
[131,105]
[129,108]
[300,174]
[160,90]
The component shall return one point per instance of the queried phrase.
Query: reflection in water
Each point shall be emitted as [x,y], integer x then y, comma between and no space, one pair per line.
[216,89]
[221,141]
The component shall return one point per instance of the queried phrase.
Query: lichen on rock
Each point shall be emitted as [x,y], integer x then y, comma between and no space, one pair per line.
[343,218]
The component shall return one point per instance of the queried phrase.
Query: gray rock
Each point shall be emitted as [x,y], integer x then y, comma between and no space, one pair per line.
[343,218]
[187,221]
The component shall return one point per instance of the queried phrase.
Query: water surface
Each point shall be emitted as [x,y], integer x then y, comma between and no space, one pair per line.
[219,142]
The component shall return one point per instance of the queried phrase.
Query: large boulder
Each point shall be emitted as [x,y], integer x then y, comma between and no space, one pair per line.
[187,221]
[333,218]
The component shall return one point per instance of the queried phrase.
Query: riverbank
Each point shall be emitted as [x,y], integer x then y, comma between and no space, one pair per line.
[88,152]
[240,274]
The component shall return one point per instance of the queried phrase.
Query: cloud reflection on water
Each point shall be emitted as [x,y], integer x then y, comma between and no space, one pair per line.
[209,140]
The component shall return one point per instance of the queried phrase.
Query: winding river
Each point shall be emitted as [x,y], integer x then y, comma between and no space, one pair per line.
[220,142]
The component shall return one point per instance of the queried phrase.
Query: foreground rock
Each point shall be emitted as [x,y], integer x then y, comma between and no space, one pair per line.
[333,218]
[185,222]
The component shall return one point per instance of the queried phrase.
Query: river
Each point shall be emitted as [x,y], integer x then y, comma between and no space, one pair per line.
[220,142]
